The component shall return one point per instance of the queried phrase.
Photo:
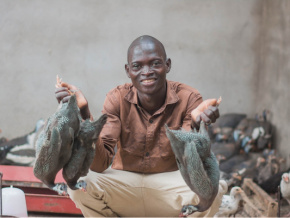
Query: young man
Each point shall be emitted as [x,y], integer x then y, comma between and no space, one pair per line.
[144,179]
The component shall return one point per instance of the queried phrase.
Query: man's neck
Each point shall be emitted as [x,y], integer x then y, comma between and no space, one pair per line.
[152,103]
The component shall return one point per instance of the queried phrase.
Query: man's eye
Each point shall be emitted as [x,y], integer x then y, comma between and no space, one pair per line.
[135,66]
[156,63]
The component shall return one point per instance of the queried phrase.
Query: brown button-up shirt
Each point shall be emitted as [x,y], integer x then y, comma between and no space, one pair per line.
[142,145]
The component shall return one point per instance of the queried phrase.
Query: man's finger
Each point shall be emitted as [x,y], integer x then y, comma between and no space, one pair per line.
[212,113]
[61,95]
[61,89]
[65,99]
[68,86]
[205,119]
[198,120]
[215,111]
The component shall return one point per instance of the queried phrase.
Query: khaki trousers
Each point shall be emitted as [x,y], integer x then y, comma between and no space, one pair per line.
[116,193]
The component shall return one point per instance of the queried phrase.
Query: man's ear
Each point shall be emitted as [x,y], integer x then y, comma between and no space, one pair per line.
[168,64]
[127,70]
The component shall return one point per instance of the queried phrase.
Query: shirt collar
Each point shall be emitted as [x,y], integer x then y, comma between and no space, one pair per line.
[171,95]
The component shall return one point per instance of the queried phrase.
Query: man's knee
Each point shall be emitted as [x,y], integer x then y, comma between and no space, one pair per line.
[223,188]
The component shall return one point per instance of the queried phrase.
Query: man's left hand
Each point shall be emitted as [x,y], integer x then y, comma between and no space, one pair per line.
[207,112]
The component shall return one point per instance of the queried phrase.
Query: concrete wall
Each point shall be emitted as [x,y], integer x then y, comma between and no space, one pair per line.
[273,70]
[215,46]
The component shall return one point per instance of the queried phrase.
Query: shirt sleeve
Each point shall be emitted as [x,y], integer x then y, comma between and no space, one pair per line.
[193,101]
[109,135]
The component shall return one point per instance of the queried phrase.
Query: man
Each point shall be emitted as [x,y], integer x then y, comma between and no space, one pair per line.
[144,179]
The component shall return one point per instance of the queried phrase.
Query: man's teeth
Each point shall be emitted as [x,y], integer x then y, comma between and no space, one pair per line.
[148,80]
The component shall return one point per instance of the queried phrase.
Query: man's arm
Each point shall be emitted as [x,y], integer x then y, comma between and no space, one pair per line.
[194,100]
[109,135]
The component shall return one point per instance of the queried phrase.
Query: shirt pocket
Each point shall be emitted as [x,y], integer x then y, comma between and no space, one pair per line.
[164,143]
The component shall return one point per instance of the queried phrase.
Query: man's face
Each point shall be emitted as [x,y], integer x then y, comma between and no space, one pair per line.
[147,67]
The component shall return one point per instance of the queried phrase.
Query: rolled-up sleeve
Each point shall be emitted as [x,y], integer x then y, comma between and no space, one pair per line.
[193,101]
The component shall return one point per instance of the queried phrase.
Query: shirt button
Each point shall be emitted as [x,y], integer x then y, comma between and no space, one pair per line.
[150,121]
[147,154]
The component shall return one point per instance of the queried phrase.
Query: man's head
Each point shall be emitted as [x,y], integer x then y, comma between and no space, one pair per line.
[147,64]
[145,40]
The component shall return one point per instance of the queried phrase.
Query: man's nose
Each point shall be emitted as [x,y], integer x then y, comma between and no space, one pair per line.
[146,70]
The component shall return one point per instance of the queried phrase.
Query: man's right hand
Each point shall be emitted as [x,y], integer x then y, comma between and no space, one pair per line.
[63,93]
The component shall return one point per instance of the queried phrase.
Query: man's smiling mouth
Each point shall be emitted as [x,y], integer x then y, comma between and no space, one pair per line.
[148,81]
